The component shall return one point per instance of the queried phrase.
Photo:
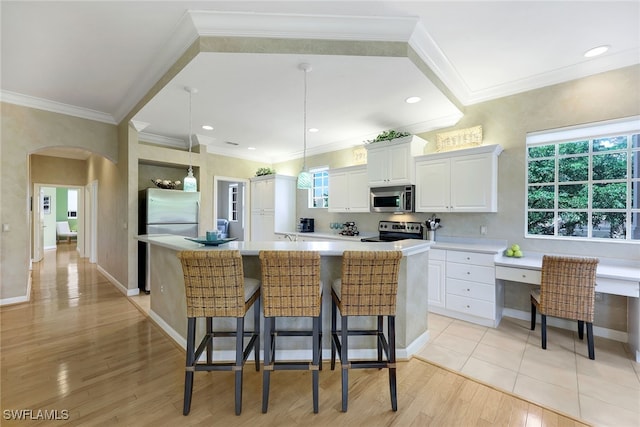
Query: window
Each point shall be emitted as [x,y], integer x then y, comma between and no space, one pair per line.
[72,203]
[233,202]
[319,193]
[584,182]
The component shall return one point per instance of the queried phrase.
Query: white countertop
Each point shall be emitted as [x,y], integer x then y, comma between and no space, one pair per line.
[607,268]
[335,247]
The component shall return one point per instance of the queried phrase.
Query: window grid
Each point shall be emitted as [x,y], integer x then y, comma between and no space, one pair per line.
[233,203]
[319,192]
[595,215]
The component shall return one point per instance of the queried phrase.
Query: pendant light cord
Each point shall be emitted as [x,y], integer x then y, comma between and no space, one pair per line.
[190,126]
[304,153]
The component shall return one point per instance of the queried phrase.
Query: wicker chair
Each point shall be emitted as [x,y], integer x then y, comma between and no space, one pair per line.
[567,290]
[368,287]
[291,287]
[215,287]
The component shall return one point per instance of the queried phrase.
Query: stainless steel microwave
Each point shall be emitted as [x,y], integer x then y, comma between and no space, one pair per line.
[399,198]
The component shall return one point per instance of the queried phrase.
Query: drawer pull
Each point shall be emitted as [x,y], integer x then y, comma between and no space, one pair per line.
[468,272]
[524,275]
[468,306]
[468,290]
[468,258]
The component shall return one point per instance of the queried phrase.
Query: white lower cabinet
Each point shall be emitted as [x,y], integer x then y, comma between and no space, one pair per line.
[470,289]
[437,277]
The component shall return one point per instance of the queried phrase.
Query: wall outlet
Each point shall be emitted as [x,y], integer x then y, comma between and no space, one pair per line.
[483,230]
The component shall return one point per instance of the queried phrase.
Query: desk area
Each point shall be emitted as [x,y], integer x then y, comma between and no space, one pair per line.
[613,277]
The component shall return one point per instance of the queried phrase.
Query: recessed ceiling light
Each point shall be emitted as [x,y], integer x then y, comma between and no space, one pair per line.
[596,51]
[207,127]
[314,130]
[413,99]
[251,148]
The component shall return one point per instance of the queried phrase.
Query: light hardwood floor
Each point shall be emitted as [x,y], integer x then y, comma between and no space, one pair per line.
[80,346]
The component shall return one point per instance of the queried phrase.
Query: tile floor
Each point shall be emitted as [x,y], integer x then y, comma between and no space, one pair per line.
[602,392]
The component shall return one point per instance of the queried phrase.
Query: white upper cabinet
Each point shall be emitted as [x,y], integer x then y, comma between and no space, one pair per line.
[349,189]
[458,181]
[391,162]
[273,206]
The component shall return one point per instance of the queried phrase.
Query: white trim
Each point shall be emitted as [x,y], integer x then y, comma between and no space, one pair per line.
[182,342]
[119,286]
[55,107]
[294,26]
[589,130]
[567,324]
[14,300]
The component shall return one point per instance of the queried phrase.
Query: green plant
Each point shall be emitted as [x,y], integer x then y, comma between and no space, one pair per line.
[265,171]
[388,135]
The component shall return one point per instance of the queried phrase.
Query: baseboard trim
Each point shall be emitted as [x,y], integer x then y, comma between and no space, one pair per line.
[119,286]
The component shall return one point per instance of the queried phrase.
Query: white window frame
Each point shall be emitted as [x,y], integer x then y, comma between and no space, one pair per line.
[311,191]
[621,127]
[232,214]
[72,203]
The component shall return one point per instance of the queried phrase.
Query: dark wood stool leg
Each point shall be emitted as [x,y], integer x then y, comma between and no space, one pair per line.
[334,321]
[590,343]
[256,331]
[316,362]
[543,324]
[344,361]
[533,317]
[392,361]
[266,373]
[239,362]
[190,365]
[379,338]
[209,322]
[581,329]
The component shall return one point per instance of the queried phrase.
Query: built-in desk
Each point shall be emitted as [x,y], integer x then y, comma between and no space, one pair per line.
[614,277]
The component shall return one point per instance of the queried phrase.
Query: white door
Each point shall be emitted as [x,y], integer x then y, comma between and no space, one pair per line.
[38,223]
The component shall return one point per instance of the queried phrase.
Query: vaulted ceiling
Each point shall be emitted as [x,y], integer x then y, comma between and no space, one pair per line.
[99,59]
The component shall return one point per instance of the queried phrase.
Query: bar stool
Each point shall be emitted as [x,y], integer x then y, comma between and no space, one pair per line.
[567,290]
[368,287]
[291,287]
[215,287]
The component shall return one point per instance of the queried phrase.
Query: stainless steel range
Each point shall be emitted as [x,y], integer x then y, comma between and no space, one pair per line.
[391,231]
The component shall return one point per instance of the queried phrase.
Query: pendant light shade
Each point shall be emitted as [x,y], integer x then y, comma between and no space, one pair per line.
[304,177]
[190,182]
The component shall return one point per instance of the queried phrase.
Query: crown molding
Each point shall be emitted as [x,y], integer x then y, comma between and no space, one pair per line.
[176,44]
[162,140]
[299,26]
[427,49]
[584,69]
[55,107]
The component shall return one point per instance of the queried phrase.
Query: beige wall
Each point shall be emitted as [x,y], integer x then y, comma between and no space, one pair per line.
[26,131]
[58,171]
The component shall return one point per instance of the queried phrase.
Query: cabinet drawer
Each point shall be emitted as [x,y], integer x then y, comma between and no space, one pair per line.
[471,306]
[471,258]
[438,254]
[518,275]
[465,288]
[475,273]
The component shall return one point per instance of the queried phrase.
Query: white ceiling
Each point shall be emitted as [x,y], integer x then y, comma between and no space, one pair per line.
[98,59]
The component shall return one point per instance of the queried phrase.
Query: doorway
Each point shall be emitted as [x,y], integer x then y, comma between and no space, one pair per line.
[229,203]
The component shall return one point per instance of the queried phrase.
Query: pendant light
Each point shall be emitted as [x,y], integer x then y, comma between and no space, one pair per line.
[304,177]
[190,182]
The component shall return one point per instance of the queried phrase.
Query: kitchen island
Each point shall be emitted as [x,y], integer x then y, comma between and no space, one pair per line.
[168,306]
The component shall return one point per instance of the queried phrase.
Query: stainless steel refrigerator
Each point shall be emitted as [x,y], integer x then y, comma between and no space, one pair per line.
[165,212]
